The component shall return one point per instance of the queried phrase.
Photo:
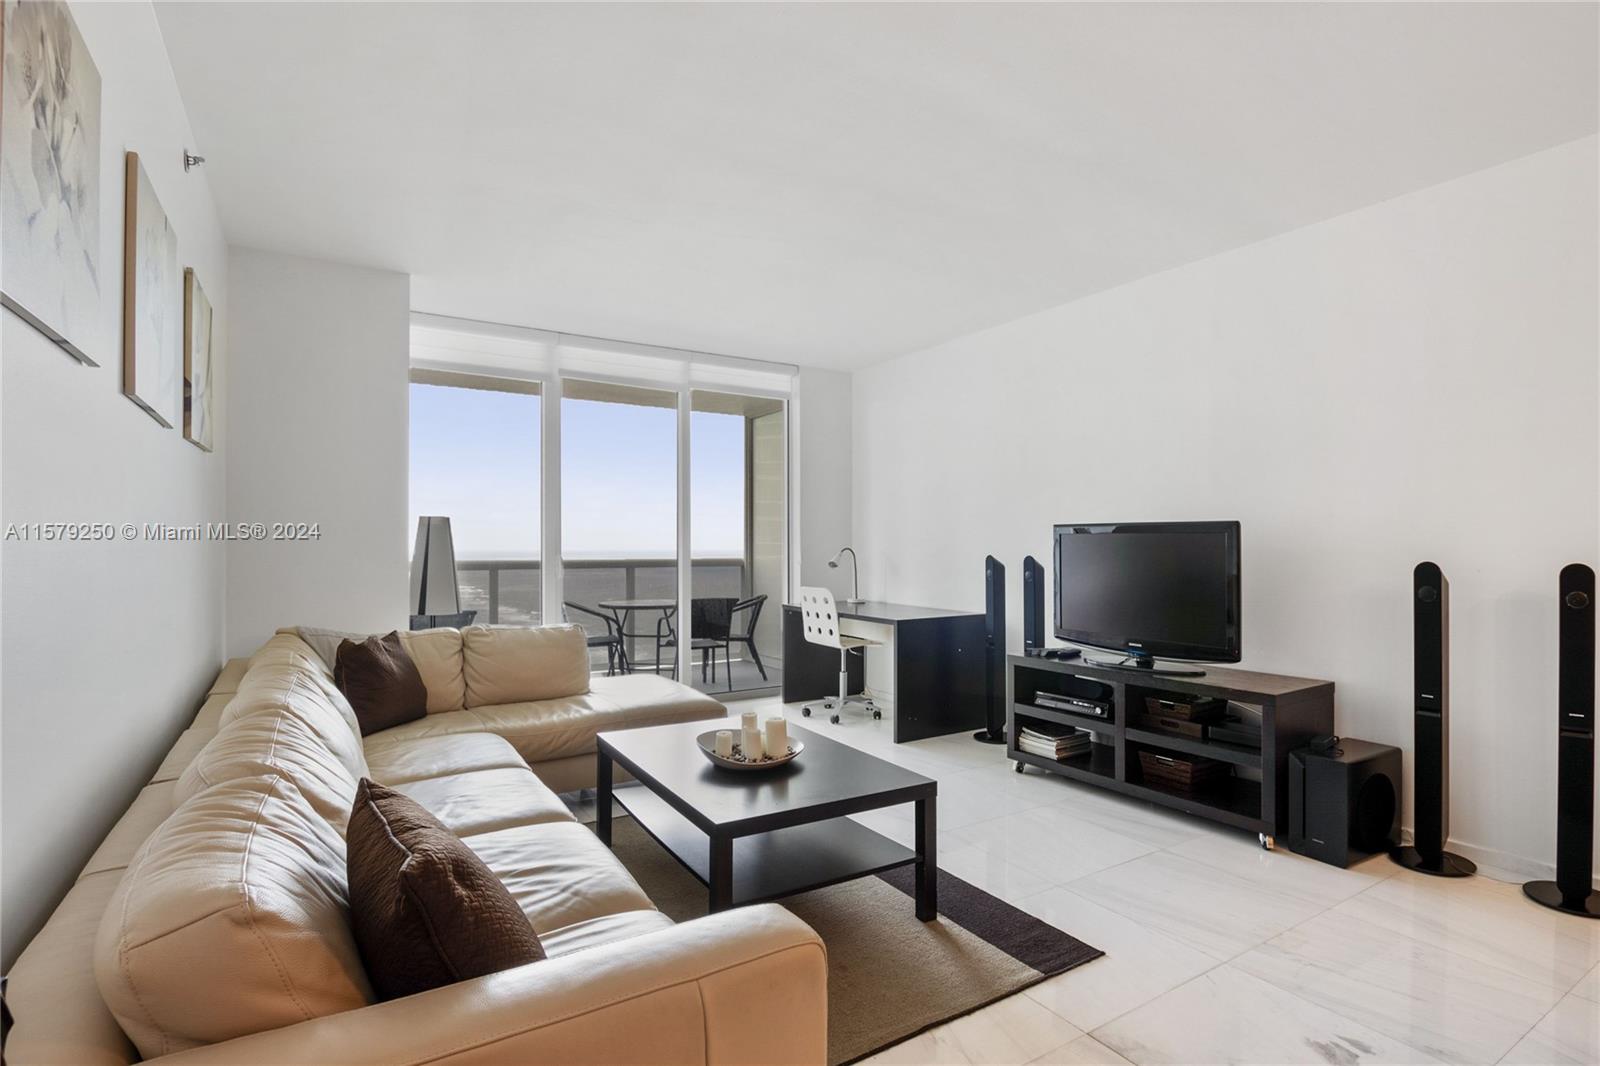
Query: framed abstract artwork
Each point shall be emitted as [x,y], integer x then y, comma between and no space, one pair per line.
[50,175]
[152,303]
[196,361]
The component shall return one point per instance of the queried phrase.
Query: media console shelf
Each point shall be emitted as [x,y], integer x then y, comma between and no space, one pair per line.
[1252,795]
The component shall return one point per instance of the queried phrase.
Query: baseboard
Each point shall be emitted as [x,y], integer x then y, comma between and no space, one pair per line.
[1500,865]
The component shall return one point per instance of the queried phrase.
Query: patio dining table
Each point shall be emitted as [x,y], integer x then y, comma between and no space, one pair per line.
[624,610]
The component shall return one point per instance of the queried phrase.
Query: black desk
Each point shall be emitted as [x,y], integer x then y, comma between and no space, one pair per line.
[938,666]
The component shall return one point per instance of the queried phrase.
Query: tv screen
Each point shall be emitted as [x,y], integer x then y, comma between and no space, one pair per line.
[1167,589]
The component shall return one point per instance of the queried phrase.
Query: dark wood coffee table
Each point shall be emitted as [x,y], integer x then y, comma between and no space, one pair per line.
[752,836]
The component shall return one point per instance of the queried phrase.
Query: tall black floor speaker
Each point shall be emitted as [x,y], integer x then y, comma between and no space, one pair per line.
[1032,606]
[994,651]
[1430,760]
[1573,890]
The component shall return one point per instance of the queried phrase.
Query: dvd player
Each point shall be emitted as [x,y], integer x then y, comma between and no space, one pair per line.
[1072,704]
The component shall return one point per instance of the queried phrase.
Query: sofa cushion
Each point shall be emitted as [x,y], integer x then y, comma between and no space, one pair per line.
[555,729]
[228,677]
[285,648]
[651,699]
[381,682]
[443,724]
[325,642]
[150,808]
[510,664]
[437,653]
[51,987]
[181,754]
[544,729]
[275,742]
[209,716]
[602,930]
[310,697]
[484,801]
[574,772]
[426,911]
[310,694]
[425,757]
[559,873]
[231,919]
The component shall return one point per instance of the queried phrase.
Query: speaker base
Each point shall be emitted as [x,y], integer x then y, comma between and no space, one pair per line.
[1450,865]
[1548,894]
[983,736]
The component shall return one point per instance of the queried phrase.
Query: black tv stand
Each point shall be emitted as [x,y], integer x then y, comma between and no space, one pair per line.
[1253,797]
[1146,665]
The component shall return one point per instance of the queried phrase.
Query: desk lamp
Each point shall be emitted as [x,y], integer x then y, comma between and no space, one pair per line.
[855,574]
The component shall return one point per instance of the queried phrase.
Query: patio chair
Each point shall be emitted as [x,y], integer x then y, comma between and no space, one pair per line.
[710,619]
[610,640]
[747,637]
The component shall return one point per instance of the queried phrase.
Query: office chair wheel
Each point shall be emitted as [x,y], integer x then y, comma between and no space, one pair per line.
[876,714]
[834,719]
[805,712]
[1018,767]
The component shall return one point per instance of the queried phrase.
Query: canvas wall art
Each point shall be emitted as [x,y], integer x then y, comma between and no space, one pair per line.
[152,303]
[196,361]
[50,176]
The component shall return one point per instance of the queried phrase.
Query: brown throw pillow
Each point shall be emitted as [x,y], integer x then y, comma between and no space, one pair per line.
[381,682]
[425,909]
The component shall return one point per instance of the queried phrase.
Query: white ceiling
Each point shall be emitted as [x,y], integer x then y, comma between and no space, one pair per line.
[835,184]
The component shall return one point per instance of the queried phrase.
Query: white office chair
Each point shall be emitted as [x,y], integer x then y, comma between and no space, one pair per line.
[821,619]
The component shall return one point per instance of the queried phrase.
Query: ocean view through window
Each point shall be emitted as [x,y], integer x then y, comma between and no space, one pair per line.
[476,458]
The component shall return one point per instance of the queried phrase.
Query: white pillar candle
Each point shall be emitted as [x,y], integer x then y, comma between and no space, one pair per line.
[750,742]
[748,720]
[777,737]
[725,743]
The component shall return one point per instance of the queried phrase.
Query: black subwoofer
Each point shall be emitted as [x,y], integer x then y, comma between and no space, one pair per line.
[1344,804]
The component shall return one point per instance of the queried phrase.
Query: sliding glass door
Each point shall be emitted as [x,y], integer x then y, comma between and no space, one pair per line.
[640,493]
[619,521]
[738,521]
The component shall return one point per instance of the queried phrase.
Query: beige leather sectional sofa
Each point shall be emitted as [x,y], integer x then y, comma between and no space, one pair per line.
[211,925]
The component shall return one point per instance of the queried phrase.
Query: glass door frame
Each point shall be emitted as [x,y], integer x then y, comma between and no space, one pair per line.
[554,586]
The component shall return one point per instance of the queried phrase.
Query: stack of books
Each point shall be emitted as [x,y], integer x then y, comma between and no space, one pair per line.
[1053,741]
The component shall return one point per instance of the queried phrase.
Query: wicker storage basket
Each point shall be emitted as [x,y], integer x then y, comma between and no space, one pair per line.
[1188,773]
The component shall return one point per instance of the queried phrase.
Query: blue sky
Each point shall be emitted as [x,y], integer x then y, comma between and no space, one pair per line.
[475,458]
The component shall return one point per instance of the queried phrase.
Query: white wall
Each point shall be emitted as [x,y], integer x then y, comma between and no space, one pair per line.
[107,648]
[319,403]
[1412,381]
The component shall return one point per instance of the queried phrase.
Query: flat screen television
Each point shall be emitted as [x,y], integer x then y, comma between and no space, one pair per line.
[1150,589]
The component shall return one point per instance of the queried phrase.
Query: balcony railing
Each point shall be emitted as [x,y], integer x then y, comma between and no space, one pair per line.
[510,590]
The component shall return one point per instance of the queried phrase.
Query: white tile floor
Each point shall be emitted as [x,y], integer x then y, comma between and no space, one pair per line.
[1217,951]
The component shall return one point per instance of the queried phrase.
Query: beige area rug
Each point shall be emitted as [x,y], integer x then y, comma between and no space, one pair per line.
[889,975]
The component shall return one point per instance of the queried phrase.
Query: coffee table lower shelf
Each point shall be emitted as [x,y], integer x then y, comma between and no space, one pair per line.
[771,865]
